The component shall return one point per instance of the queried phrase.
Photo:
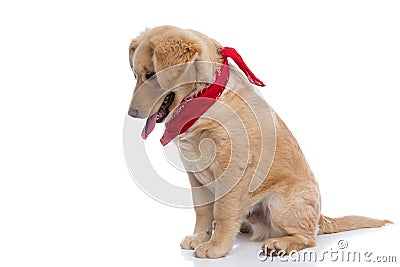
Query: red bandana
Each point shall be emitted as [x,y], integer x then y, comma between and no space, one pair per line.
[191,108]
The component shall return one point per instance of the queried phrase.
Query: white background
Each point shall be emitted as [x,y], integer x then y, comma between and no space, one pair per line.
[66,197]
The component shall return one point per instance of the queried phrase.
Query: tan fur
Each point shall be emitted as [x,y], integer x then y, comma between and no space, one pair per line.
[284,212]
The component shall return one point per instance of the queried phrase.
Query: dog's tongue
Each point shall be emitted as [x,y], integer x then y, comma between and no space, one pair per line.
[149,127]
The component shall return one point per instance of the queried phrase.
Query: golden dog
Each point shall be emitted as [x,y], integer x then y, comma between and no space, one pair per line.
[283,211]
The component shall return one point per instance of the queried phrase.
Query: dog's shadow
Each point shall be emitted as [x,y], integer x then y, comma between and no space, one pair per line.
[245,253]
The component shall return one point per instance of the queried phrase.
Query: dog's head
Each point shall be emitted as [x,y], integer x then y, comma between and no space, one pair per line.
[166,64]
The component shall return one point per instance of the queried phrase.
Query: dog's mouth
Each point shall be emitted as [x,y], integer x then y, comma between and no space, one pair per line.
[159,116]
[163,111]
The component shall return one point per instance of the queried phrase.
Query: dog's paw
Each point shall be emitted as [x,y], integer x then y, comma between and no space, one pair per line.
[245,228]
[275,246]
[192,241]
[210,250]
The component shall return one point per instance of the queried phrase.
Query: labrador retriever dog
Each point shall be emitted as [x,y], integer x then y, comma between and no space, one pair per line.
[246,170]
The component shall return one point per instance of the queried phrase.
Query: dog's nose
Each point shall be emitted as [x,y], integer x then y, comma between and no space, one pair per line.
[133,112]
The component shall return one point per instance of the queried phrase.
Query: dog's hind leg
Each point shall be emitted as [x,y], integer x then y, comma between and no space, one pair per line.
[295,211]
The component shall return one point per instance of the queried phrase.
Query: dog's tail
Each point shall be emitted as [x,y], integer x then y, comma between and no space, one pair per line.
[334,225]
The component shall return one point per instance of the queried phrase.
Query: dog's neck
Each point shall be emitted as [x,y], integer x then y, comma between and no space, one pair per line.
[191,108]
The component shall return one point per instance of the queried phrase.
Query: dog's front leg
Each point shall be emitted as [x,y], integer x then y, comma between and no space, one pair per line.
[228,215]
[204,217]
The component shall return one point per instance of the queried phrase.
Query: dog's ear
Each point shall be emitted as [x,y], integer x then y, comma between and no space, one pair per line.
[132,47]
[173,56]
[173,50]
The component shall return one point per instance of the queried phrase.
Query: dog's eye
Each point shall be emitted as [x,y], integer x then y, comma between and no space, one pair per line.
[149,75]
